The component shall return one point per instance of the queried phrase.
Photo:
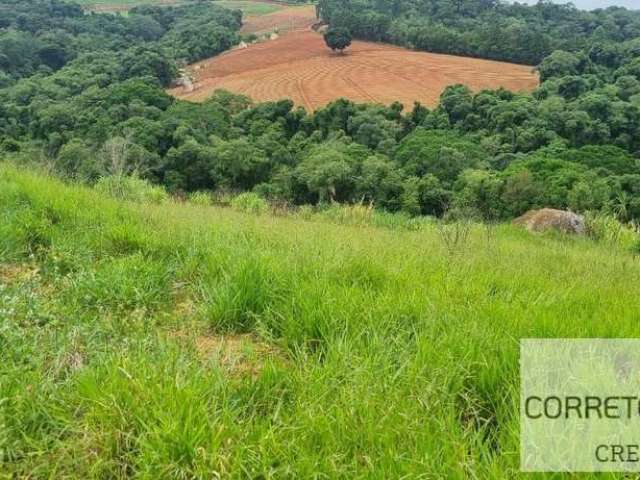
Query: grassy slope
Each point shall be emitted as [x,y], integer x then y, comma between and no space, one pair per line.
[371,352]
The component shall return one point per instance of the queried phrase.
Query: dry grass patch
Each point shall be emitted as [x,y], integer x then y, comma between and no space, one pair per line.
[17,273]
[237,354]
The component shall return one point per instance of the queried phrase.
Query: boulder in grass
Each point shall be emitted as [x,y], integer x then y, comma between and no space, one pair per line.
[552,219]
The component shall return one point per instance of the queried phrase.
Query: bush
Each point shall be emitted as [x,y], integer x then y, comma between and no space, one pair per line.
[250,203]
[133,189]
[249,38]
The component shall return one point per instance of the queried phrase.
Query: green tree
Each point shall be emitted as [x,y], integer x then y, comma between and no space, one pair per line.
[559,64]
[327,173]
[78,160]
[480,191]
[379,181]
[443,154]
[337,38]
[240,164]
[188,167]
[589,195]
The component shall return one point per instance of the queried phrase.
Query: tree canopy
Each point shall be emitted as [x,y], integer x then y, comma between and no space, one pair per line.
[337,38]
[75,89]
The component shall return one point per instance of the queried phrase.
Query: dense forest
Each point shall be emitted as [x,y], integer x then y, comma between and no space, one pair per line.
[84,95]
[482,28]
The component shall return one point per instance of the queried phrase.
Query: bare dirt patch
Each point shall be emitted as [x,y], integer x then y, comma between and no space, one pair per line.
[299,66]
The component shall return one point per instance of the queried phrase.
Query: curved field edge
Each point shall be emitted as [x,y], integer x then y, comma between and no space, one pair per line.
[300,67]
[357,352]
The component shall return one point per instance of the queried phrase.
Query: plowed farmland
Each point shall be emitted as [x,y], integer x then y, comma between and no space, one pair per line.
[299,66]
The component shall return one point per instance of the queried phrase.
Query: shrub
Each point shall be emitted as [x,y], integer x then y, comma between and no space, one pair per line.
[133,189]
[250,203]
[249,38]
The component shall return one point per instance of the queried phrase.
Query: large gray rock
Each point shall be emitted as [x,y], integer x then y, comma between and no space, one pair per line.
[551,219]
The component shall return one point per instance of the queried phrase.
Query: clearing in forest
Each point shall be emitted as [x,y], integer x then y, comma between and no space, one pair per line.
[299,66]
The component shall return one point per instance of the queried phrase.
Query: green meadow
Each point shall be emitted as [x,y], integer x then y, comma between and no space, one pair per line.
[176,340]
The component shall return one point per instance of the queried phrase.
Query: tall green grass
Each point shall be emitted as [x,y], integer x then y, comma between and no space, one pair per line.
[384,352]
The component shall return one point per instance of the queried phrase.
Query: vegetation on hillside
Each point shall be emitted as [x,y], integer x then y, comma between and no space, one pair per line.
[509,31]
[177,341]
[146,333]
[93,105]
[39,38]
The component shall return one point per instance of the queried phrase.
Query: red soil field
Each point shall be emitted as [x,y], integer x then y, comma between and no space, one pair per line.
[300,67]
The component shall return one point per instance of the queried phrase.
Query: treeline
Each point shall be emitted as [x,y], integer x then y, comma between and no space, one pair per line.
[40,37]
[419,163]
[574,143]
[482,28]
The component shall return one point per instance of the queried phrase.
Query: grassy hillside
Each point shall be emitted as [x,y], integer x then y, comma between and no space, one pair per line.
[175,341]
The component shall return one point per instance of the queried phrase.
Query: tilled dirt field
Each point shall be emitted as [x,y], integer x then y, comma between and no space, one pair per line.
[300,67]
